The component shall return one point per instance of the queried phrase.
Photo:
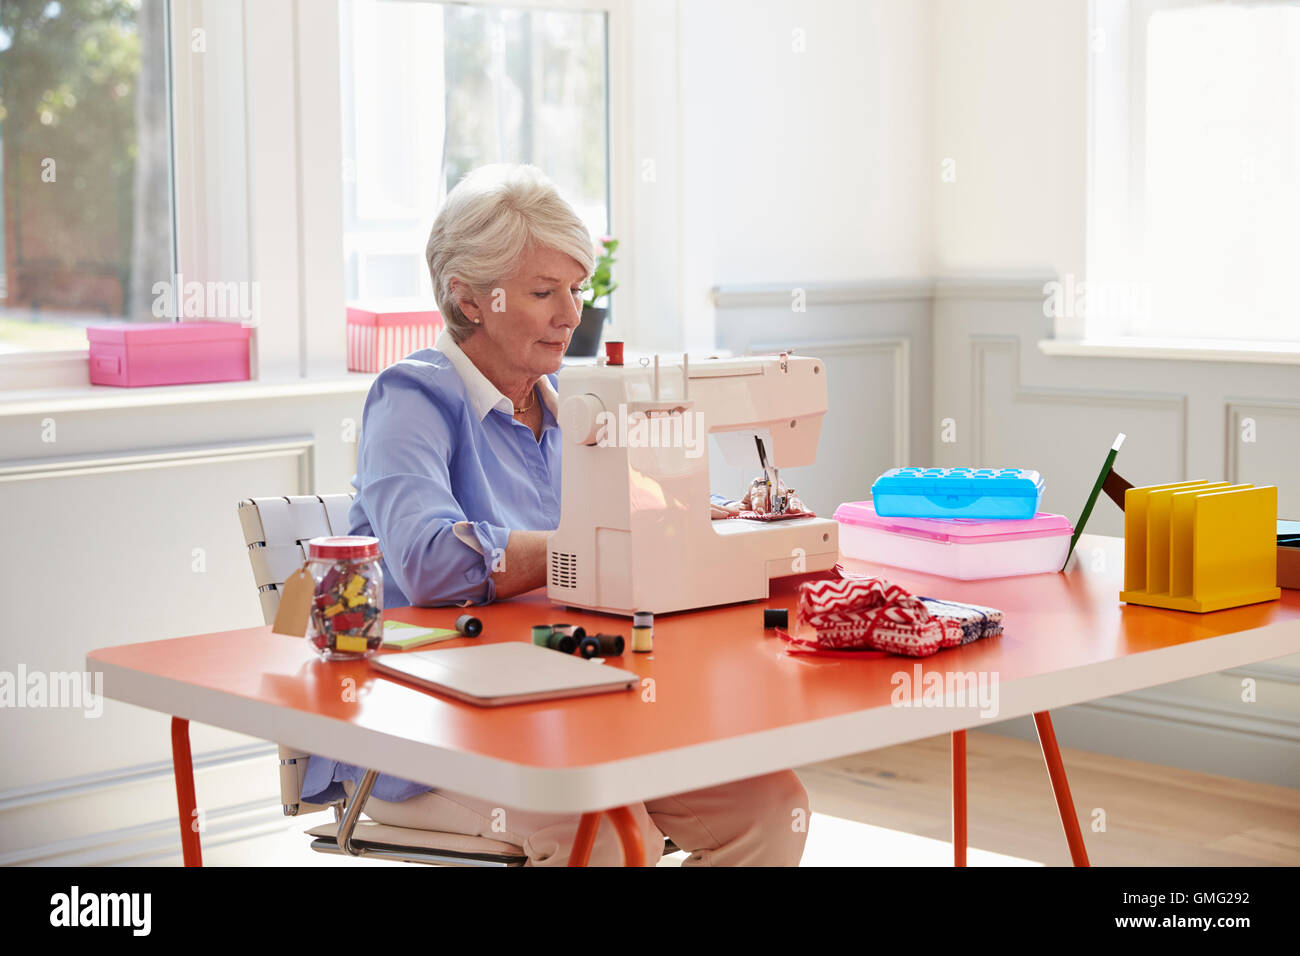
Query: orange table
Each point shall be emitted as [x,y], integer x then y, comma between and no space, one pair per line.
[720,700]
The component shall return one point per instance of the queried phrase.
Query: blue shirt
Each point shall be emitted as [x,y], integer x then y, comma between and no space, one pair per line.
[444,472]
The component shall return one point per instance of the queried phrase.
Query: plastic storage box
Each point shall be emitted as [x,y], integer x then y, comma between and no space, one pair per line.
[135,354]
[960,548]
[380,334]
[957,493]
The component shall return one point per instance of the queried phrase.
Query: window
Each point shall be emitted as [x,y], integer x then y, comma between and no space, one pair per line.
[1195,171]
[431,91]
[84,121]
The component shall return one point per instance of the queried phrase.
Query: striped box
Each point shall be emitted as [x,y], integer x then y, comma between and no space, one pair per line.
[380,336]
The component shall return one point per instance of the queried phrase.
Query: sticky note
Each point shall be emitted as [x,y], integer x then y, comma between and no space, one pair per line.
[404,636]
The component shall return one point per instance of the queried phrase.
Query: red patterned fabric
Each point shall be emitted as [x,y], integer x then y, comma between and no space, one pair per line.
[771,516]
[869,614]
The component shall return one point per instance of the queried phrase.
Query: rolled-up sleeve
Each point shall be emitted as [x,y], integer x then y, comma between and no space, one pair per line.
[435,554]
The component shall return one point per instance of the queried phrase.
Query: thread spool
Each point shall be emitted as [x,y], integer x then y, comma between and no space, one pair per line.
[643,632]
[559,641]
[588,647]
[576,632]
[613,353]
[611,645]
[541,634]
[776,617]
[469,625]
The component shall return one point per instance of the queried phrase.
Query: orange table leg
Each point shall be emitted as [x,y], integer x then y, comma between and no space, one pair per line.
[630,835]
[585,839]
[1061,788]
[959,798]
[183,770]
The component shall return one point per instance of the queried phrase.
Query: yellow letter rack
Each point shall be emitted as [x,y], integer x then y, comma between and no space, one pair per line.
[1200,545]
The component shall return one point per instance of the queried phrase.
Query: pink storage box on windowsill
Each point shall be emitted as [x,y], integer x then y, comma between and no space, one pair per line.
[380,334]
[136,354]
[967,549]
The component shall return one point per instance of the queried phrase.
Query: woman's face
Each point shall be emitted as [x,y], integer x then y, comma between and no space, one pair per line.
[526,322]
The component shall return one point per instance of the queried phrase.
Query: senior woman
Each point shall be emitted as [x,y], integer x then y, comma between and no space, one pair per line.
[458,476]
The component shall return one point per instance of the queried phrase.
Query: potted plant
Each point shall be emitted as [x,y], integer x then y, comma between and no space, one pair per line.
[586,337]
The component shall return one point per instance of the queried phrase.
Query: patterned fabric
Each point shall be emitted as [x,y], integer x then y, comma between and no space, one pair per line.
[856,614]
[976,621]
[761,516]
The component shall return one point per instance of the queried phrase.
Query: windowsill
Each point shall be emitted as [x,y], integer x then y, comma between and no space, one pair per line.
[80,398]
[1197,350]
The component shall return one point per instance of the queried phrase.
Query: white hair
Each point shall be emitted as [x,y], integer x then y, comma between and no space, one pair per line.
[489,219]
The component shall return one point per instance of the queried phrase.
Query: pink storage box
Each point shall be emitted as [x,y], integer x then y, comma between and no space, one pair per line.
[963,548]
[379,335]
[135,354]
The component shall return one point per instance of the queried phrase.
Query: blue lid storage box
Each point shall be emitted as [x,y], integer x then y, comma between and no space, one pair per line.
[957,493]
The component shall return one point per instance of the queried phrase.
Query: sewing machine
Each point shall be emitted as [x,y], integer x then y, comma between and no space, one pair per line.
[635,532]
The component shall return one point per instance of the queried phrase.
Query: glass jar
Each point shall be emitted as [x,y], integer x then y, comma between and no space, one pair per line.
[347,616]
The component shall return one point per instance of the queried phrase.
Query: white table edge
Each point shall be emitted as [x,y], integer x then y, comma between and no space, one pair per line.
[637,779]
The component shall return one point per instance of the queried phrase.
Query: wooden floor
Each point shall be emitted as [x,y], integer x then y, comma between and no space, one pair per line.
[1153,815]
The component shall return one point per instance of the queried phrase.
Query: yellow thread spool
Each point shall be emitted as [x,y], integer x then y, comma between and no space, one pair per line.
[643,639]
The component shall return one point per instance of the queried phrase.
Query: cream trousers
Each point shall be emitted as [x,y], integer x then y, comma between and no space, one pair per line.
[762,821]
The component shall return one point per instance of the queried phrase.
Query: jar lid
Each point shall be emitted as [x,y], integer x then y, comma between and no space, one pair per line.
[344,546]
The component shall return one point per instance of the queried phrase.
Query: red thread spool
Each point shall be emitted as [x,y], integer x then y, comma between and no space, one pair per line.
[613,353]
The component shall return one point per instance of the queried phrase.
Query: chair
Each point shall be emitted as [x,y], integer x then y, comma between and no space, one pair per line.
[275,530]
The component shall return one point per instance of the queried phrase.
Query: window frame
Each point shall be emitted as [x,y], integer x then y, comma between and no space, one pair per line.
[257,165]
[324,83]
[1125,24]
[56,368]
[615,31]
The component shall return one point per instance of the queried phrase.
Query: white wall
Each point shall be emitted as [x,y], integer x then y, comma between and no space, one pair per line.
[802,167]
[1010,111]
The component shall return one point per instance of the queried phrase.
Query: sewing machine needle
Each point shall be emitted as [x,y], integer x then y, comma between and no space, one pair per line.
[772,489]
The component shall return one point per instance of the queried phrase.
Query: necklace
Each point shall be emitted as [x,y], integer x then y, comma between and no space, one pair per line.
[532,397]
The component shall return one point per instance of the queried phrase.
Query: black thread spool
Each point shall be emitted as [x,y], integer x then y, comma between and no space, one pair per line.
[469,625]
[589,647]
[776,617]
[611,645]
[577,633]
[559,641]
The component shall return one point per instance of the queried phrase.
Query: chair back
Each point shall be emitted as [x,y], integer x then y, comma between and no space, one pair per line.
[276,531]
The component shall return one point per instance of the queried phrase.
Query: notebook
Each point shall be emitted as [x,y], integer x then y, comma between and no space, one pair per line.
[403,637]
[506,673]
